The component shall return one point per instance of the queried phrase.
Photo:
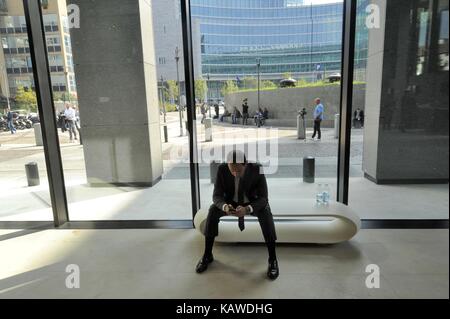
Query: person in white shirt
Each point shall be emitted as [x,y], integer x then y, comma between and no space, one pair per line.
[70,115]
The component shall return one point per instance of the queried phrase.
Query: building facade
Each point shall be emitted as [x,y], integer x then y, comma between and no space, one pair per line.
[168,34]
[299,37]
[15,61]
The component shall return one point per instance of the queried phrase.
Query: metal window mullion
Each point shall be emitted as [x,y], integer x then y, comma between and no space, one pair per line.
[44,95]
[188,54]
[348,52]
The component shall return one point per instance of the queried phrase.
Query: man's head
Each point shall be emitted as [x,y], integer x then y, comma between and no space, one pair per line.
[317,100]
[236,163]
[67,105]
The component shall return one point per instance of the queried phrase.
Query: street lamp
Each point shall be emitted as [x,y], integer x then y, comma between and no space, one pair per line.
[207,94]
[166,135]
[258,65]
[66,74]
[162,98]
[177,58]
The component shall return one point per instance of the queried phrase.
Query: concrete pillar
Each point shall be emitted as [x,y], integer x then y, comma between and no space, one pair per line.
[337,122]
[406,109]
[114,58]
[208,130]
[301,128]
[38,134]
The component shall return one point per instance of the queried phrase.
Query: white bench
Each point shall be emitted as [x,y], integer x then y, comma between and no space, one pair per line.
[296,221]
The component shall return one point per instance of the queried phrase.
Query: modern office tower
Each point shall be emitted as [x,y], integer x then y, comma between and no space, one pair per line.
[15,61]
[302,38]
[297,37]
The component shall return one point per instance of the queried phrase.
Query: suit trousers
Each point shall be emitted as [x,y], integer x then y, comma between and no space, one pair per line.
[317,129]
[264,216]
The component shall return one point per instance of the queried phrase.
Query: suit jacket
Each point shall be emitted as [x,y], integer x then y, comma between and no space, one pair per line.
[253,184]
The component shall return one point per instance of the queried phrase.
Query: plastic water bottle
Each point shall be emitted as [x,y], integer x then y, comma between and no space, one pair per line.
[326,194]
[319,194]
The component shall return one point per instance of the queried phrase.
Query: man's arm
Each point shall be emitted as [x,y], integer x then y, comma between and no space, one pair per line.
[261,192]
[219,192]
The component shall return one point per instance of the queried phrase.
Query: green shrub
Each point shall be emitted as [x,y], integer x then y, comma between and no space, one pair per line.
[170,107]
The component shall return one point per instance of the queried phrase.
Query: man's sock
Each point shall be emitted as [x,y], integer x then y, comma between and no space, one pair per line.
[209,242]
[271,249]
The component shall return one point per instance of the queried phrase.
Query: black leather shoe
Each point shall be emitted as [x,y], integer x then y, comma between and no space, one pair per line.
[273,271]
[202,265]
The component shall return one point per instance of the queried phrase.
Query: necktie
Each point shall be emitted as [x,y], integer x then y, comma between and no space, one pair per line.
[241,202]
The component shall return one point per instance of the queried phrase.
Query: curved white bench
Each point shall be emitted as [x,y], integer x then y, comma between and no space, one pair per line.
[296,221]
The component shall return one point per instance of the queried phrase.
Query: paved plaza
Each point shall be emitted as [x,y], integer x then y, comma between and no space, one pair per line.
[285,181]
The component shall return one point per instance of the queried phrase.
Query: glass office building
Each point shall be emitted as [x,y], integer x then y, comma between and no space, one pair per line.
[303,38]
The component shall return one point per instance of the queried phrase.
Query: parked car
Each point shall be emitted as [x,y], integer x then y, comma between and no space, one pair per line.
[334,77]
[288,83]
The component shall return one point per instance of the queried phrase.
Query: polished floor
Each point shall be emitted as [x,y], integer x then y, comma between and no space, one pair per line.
[160,264]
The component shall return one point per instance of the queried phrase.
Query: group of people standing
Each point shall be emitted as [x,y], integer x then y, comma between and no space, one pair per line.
[259,118]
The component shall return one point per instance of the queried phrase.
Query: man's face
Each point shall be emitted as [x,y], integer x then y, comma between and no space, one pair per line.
[317,101]
[237,170]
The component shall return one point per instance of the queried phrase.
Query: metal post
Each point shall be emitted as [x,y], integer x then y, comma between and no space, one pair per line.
[208,96]
[348,53]
[177,58]
[166,135]
[258,64]
[44,96]
[188,53]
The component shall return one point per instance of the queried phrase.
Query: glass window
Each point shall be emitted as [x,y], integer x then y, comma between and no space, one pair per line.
[28,199]
[399,159]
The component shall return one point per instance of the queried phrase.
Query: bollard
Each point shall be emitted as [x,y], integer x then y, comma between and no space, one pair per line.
[301,128]
[309,169]
[337,121]
[166,135]
[208,130]
[32,172]
[213,168]
[38,134]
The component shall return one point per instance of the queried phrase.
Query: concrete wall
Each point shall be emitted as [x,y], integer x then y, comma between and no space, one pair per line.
[284,103]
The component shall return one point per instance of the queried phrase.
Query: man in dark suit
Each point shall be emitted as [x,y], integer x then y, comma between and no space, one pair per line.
[240,189]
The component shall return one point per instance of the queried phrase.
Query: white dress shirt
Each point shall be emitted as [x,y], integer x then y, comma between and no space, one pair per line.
[70,114]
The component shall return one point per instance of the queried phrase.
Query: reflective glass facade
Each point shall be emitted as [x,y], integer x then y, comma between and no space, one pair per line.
[288,35]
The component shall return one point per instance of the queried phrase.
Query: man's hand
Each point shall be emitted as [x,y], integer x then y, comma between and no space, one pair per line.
[240,211]
[229,209]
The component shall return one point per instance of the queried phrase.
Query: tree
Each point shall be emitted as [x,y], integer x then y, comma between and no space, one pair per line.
[287,75]
[64,96]
[26,99]
[200,89]
[172,90]
[229,87]
[268,84]
[250,82]
[301,83]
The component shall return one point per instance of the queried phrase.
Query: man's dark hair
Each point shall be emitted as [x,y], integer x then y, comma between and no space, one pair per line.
[236,157]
